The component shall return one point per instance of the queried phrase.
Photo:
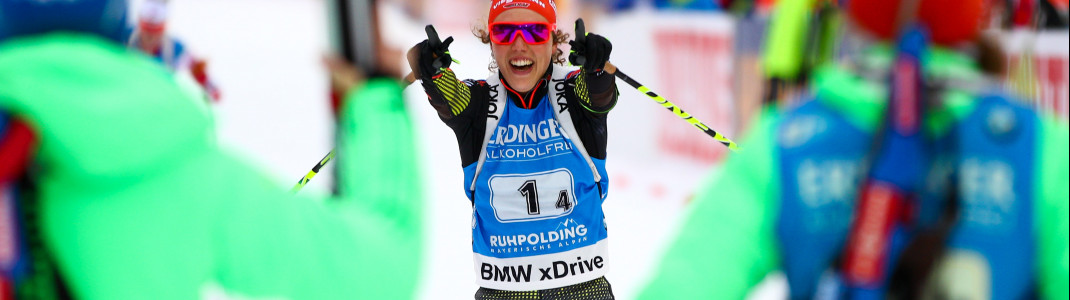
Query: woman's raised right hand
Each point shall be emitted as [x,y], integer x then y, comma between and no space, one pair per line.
[431,56]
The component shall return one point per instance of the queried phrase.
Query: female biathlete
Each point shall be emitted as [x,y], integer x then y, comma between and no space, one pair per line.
[532,138]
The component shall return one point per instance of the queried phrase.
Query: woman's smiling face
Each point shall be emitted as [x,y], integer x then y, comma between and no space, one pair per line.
[522,64]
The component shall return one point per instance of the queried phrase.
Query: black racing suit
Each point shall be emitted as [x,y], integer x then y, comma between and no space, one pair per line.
[463,106]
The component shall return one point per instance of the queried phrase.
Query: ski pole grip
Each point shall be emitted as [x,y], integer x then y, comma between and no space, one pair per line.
[432,36]
[581,31]
[581,38]
[434,42]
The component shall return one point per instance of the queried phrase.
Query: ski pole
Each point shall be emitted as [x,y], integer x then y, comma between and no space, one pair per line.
[581,36]
[301,183]
[672,107]
[409,79]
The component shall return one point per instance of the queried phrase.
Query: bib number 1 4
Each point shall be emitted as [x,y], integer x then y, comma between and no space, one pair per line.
[529,197]
[530,191]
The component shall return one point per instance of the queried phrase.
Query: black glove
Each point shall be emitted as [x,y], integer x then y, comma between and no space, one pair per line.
[590,51]
[434,54]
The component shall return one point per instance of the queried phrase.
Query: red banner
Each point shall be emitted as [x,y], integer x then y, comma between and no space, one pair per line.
[695,68]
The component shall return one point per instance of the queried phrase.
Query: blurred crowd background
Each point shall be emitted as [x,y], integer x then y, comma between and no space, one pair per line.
[721,60]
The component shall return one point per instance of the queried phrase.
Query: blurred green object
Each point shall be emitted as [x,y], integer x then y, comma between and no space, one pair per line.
[786,40]
[802,35]
[139,202]
[728,242]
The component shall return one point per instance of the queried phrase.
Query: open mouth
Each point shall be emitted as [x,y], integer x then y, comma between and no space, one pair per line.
[521,65]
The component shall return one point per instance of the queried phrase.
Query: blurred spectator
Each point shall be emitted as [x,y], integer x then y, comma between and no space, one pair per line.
[135,200]
[972,204]
[150,36]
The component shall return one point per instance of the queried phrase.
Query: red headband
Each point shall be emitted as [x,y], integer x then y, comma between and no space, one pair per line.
[546,8]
